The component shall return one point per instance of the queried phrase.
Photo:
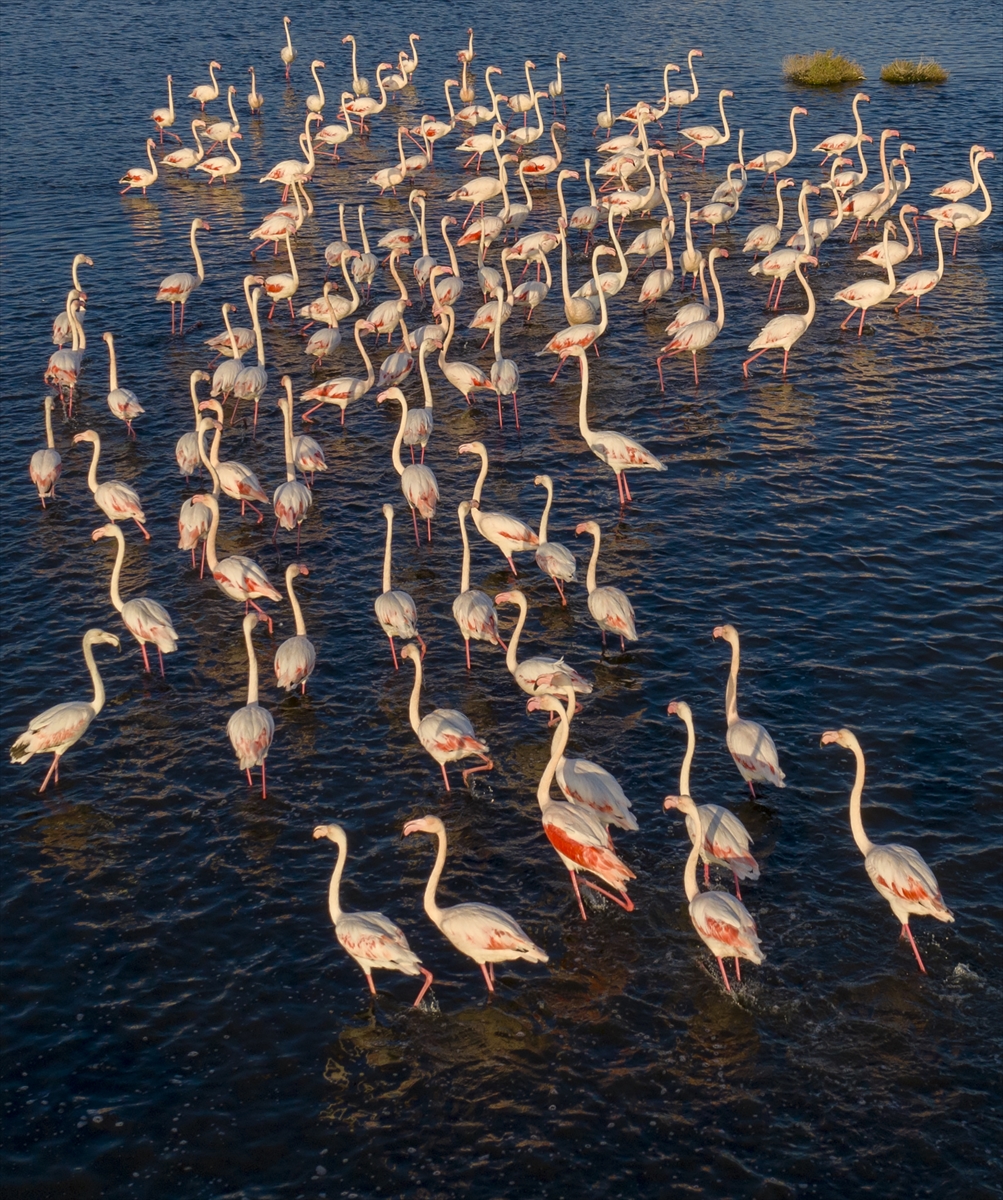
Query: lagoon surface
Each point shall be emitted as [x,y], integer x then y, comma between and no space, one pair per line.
[179,1020]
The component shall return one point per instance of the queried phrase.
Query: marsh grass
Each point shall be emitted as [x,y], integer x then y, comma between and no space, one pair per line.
[824,68]
[904,70]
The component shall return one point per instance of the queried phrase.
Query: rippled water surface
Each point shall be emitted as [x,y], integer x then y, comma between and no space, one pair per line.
[179,1019]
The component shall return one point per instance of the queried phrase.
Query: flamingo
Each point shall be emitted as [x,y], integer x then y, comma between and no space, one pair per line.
[782,332]
[186,452]
[395,611]
[680,97]
[237,577]
[140,177]
[364,106]
[657,283]
[360,86]
[529,135]
[308,456]
[288,51]
[219,166]
[418,483]
[722,922]
[780,263]
[921,283]
[522,102]
[255,100]
[329,307]
[116,500]
[694,311]
[866,293]
[839,143]
[420,421]
[604,118]
[724,839]
[706,136]
[446,733]
[451,288]
[504,371]
[465,377]
[863,204]
[895,250]
[467,55]
[315,101]
[532,293]
[966,216]
[775,160]
[555,89]
[220,131]
[251,728]
[163,118]
[235,480]
[610,282]
[58,728]
[251,381]
[223,343]
[610,608]
[618,451]
[691,260]
[700,334]
[552,558]
[480,931]
[485,187]
[325,341]
[291,500]
[122,403]
[177,288]
[584,784]
[186,158]
[587,217]
[580,337]
[541,165]
[578,310]
[337,134]
[62,327]
[343,390]
[961,189]
[46,465]
[296,658]
[730,188]
[194,519]
[537,676]
[146,619]
[898,873]
[763,238]
[576,832]
[284,285]
[473,611]
[509,534]
[372,939]
[205,92]
[290,169]
[750,745]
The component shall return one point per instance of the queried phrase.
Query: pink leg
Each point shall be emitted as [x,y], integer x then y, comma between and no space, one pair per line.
[769,298]
[738,894]
[696,377]
[784,371]
[724,975]
[146,661]
[619,488]
[53,770]
[466,642]
[414,518]
[752,789]
[264,789]
[511,564]
[372,986]
[776,303]
[262,612]
[487,765]
[393,652]
[626,489]
[161,657]
[445,777]
[193,548]
[498,394]
[860,331]
[848,319]
[182,329]
[560,591]
[745,365]
[487,978]
[578,895]
[424,987]
[912,942]
[738,970]
[202,567]
[428,522]
[250,782]
[706,874]
[626,903]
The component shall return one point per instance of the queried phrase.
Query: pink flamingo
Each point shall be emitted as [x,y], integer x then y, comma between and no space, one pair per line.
[372,939]
[116,500]
[473,611]
[237,577]
[898,872]
[610,608]
[581,337]
[418,482]
[698,335]
[123,403]
[145,619]
[46,465]
[177,288]
[251,728]
[296,658]
[537,676]
[480,931]
[553,558]
[292,500]
[751,747]
[395,611]
[509,534]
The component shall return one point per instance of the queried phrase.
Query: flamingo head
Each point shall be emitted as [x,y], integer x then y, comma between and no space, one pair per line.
[507,597]
[680,709]
[393,393]
[424,824]
[105,531]
[728,632]
[218,66]
[411,651]
[471,448]
[88,435]
[835,737]
[542,704]
[587,527]
[803,111]
[334,832]
[543,481]
[201,376]
[696,53]
[808,260]
[682,803]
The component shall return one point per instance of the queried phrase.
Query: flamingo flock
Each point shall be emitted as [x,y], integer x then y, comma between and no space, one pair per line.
[501,162]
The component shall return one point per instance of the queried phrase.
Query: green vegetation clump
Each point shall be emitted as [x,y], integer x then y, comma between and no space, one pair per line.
[824,68]
[903,70]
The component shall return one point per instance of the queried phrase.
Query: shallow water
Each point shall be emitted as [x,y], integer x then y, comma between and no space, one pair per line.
[179,1018]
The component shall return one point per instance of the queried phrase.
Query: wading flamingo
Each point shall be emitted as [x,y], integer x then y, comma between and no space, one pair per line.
[140,177]
[775,160]
[610,608]
[866,293]
[552,558]
[840,143]
[960,189]
[418,482]
[898,873]
[446,733]
[706,136]
[58,728]
[251,728]
[62,326]
[207,91]
[700,334]
[235,480]
[177,288]
[292,500]
[288,51]
[186,158]
[63,370]
[372,939]
[509,534]
[921,283]
[121,402]
[750,745]
[296,658]
[219,166]
[360,86]
[618,451]
[46,465]
[537,676]
[194,519]
[680,97]
[473,611]
[116,500]
[782,332]
[480,931]
[146,619]
[725,841]
[581,337]
[255,100]
[237,577]
[346,388]
[395,611]
[163,118]
[966,216]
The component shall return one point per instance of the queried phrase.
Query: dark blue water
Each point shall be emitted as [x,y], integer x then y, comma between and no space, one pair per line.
[179,1020]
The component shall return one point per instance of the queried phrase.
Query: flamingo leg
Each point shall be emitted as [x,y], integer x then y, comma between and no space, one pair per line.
[626,489]
[848,319]
[511,564]
[860,331]
[908,932]
[724,975]
[738,970]
[466,643]
[487,765]
[706,874]
[262,612]
[161,657]
[53,770]
[182,329]
[696,377]
[560,591]
[626,903]
[264,790]
[193,550]
[428,522]
[752,789]
[776,303]
[424,987]
[745,365]
[578,895]
[487,978]
[249,780]
[393,652]
[414,518]
[419,640]
[202,567]
[445,777]
[146,661]
[784,371]
[372,986]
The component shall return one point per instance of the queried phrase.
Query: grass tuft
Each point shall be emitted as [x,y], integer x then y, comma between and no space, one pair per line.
[824,68]
[903,70]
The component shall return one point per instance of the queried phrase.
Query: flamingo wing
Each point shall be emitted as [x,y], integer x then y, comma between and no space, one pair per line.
[901,874]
